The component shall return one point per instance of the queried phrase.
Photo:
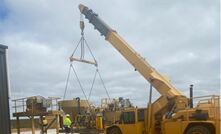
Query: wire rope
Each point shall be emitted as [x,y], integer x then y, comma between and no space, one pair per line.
[89,50]
[66,85]
[76,47]
[92,85]
[83,42]
[79,82]
[102,81]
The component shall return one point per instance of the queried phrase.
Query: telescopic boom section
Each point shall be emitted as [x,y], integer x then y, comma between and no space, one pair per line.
[160,83]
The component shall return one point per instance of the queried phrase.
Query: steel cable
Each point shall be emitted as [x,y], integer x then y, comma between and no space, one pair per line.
[79,82]
[95,75]
[66,85]
[90,50]
[76,47]
[102,81]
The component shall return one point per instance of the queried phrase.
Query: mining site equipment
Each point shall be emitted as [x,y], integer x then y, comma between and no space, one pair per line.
[171,112]
[112,109]
[83,116]
[37,104]
[36,107]
[72,107]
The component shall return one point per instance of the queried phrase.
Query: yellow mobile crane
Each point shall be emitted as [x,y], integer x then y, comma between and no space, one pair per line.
[173,112]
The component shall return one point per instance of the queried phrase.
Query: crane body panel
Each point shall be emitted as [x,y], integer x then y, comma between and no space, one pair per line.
[171,112]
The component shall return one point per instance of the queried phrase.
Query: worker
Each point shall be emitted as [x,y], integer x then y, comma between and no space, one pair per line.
[67,124]
[45,124]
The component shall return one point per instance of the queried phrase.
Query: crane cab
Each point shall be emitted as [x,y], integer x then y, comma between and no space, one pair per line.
[131,121]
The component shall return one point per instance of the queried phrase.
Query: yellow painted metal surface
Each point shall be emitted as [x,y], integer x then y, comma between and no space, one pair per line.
[99,123]
[161,84]
[137,128]
[172,127]
[170,112]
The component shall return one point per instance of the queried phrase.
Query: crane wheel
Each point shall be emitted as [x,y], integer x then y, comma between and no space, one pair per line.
[114,130]
[198,130]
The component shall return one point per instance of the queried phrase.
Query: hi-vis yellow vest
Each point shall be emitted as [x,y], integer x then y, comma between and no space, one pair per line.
[67,122]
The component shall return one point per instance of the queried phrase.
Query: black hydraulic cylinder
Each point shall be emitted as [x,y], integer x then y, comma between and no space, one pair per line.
[93,18]
[191,96]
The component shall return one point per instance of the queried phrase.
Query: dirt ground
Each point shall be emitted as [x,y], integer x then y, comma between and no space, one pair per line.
[28,131]
[50,131]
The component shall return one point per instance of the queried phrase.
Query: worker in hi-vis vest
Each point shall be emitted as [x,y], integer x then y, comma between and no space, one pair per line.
[45,124]
[67,124]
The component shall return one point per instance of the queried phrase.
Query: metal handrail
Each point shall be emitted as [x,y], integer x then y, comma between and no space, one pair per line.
[20,104]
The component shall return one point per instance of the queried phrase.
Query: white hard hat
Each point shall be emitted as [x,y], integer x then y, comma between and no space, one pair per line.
[68,115]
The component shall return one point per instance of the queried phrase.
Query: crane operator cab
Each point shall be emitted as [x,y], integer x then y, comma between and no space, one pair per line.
[131,121]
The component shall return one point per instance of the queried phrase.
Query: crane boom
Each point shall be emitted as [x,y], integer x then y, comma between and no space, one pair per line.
[170,113]
[160,83]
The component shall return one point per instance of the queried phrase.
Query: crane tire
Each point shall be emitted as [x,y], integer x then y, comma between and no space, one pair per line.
[198,130]
[114,130]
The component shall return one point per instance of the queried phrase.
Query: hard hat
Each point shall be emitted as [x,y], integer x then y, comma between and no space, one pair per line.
[67,115]
[43,117]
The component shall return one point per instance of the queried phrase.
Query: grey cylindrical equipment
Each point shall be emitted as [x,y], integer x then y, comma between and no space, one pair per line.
[191,96]
[5,127]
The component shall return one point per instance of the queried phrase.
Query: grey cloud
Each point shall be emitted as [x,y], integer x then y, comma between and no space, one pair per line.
[179,38]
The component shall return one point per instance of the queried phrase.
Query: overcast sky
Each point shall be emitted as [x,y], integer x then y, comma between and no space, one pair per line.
[179,38]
